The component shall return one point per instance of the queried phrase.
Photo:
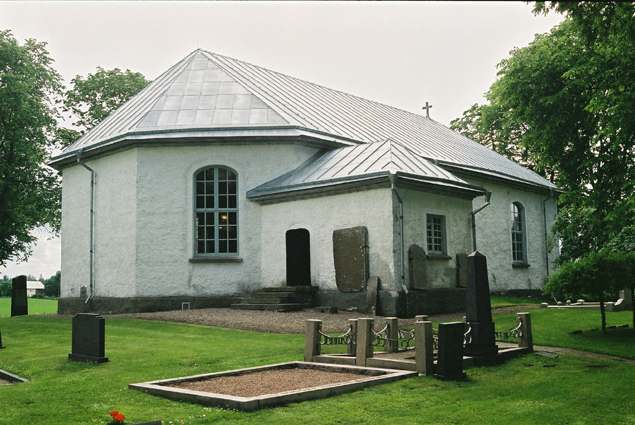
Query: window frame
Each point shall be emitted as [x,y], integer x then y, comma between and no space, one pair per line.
[432,244]
[518,229]
[216,210]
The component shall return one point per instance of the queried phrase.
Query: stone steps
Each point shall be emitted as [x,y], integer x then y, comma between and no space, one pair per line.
[289,298]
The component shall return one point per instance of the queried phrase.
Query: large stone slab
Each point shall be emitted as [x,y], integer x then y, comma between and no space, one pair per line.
[450,353]
[481,338]
[461,270]
[89,338]
[350,256]
[417,267]
[19,299]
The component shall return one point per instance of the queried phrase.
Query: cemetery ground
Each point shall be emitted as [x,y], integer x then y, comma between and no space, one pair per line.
[568,389]
[36,306]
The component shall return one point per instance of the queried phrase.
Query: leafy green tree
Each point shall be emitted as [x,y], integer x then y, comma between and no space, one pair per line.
[595,276]
[563,106]
[52,285]
[93,98]
[5,287]
[624,242]
[29,191]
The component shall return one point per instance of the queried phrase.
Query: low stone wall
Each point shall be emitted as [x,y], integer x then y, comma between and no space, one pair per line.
[140,304]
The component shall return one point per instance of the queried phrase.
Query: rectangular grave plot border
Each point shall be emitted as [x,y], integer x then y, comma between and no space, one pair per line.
[368,377]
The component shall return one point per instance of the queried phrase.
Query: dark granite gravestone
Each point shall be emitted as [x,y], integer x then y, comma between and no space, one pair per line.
[1,346]
[461,270]
[450,354]
[89,335]
[350,256]
[417,267]
[19,301]
[481,340]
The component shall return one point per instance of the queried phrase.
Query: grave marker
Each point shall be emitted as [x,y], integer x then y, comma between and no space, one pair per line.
[450,354]
[417,267]
[89,335]
[481,340]
[350,257]
[19,301]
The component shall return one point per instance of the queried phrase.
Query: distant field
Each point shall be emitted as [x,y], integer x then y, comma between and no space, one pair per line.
[36,306]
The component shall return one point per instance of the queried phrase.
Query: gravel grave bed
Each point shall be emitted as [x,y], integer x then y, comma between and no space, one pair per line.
[5,382]
[268,382]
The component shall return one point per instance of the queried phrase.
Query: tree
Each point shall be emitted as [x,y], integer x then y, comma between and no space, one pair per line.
[29,191]
[93,98]
[564,105]
[624,242]
[598,275]
[52,285]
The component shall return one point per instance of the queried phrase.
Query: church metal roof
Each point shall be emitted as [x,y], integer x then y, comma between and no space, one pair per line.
[362,162]
[206,94]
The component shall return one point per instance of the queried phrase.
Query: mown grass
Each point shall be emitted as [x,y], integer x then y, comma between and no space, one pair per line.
[569,391]
[507,301]
[36,306]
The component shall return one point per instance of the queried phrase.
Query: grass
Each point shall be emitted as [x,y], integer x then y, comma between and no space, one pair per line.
[36,306]
[573,390]
[506,301]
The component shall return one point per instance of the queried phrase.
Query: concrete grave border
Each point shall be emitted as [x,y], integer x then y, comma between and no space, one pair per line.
[368,377]
[11,377]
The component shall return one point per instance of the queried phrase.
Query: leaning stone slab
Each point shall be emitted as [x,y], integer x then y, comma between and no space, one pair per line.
[350,257]
[89,335]
[11,377]
[367,377]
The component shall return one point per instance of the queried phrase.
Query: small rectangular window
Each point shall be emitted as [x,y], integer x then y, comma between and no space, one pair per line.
[436,234]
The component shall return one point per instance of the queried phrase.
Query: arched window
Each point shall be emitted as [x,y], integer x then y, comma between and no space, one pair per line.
[216,211]
[519,235]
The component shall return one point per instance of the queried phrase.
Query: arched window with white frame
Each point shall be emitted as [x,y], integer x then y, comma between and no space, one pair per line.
[216,211]
[519,234]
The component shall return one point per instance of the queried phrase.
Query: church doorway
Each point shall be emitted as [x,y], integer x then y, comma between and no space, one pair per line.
[298,257]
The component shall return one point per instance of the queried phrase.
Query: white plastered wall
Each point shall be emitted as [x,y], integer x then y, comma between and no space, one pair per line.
[321,216]
[165,221]
[493,236]
[441,273]
[114,235]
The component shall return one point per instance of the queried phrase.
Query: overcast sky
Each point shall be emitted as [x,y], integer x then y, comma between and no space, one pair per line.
[400,54]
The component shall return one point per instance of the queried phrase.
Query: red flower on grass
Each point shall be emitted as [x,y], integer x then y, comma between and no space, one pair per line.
[119,417]
[114,413]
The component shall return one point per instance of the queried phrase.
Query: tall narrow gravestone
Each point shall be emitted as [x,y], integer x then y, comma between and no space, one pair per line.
[450,354]
[19,305]
[1,346]
[481,339]
[89,336]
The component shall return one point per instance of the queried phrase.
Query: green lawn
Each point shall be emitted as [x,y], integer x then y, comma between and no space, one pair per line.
[506,301]
[572,390]
[36,306]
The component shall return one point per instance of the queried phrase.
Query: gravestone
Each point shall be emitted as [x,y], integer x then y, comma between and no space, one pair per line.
[417,267]
[89,335]
[1,346]
[481,339]
[626,300]
[461,270]
[450,353]
[350,257]
[371,295]
[19,301]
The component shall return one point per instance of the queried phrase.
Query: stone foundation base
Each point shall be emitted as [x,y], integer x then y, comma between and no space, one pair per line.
[140,304]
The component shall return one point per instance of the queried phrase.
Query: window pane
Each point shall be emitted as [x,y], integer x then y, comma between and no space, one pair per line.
[209,174]
[222,219]
[232,217]
[209,245]
[232,201]
[231,175]
[209,188]
[231,188]
[200,176]
[233,246]
[209,234]
[209,219]
[222,232]
[200,232]
[222,202]
[200,202]
[222,188]
[210,202]
[200,247]
[200,219]
[222,174]
[200,188]
[222,246]
[232,232]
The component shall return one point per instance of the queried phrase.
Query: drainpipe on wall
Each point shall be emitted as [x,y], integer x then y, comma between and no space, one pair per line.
[488,195]
[393,177]
[92,225]
[544,216]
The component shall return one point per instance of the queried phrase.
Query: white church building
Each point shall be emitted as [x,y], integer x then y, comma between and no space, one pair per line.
[222,178]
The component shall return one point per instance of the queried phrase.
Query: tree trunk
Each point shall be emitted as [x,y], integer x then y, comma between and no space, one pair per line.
[603,312]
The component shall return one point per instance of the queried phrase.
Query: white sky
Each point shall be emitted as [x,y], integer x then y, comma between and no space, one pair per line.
[400,54]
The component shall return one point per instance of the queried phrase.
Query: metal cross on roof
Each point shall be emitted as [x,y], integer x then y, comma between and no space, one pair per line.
[427,108]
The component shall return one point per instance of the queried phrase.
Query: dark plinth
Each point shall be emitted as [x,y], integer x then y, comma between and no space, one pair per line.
[19,302]
[481,339]
[1,346]
[89,335]
[450,355]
